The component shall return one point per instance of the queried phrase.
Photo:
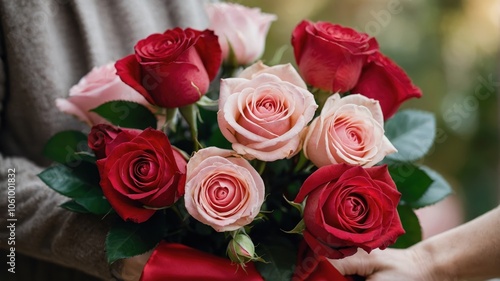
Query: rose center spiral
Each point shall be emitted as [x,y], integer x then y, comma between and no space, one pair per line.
[221,193]
[355,208]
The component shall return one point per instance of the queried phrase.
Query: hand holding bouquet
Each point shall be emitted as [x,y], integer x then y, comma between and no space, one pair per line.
[240,170]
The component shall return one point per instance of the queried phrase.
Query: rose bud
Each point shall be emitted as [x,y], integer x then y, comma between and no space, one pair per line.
[349,207]
[241,249]
[348,130]
[383,80]
[242,30]
[222,190]
[330,57]
[264,111]
[172,69]
[102,135]
[141,173]
[99,86]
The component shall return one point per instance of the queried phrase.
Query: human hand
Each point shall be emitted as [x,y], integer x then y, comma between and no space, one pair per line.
[390,265]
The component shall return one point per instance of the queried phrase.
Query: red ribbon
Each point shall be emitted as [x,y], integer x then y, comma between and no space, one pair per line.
[178,262]
[171,261]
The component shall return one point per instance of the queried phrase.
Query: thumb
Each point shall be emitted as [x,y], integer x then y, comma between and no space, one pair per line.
[360,263]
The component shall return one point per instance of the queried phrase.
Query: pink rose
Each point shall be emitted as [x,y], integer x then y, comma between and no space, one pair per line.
[99,86]
[241,28]
[349,130]
[385,81]
[330,57]
[264,111]
[222,190]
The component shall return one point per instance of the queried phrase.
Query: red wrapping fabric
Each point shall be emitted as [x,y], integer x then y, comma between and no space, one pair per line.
[178,262]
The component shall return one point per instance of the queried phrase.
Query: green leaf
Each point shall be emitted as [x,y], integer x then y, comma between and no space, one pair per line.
[80,183]
[438,190]
[412,132]
[411,181]
[411,226]
[298,206]
[94,202]
[65,181]
[66,147]
[127,114]
[280,256]
[127,239]
[74,207]
[298,229]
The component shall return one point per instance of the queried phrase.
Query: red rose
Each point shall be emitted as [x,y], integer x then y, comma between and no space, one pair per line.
[349,207]
[329,56]
[172,69]
[386,82]
[145,171]
[102,135]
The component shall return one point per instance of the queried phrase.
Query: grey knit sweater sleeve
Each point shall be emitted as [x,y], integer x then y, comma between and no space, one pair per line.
[47,46]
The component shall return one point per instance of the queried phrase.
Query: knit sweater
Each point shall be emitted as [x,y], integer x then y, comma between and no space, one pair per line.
[46,47]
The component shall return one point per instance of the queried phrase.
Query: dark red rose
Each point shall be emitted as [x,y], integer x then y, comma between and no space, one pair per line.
[349,207]
[102,134]
[330,57]
[172,69]
[171,261]
[141,174]
[385,81]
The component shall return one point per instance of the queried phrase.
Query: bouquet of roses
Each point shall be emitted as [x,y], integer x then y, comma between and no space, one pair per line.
[237,169]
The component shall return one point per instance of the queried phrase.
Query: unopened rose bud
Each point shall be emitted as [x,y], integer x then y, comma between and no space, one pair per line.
[241,249]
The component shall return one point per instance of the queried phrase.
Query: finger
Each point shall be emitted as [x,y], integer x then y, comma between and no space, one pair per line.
[357,264]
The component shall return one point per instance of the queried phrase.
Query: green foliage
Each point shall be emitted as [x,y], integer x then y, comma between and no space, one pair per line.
[420,186]
[280,256]
[127,114]
[209,132]
[128,239]
[298,229]
[65,181]
[191,114]
[68,147]
[412,227]
[411,181]
[436,192]
[72,206]
[412,132]
[80,183]
[94,202]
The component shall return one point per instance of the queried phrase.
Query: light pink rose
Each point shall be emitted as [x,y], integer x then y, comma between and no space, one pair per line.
[99,86]
[241,28]
[222,190]
[349,130]
[264,111]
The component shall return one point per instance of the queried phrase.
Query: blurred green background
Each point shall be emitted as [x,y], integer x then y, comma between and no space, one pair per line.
[450,50]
